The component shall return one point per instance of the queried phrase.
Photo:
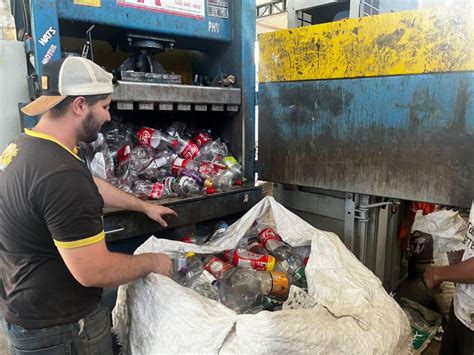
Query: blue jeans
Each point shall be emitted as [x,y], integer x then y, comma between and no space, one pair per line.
[90,335]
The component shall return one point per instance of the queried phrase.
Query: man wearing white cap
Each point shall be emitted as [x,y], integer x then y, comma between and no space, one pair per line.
[53,258]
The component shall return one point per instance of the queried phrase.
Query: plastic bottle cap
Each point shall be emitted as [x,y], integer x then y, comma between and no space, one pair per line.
[271,263]
[211,190]
[190,253]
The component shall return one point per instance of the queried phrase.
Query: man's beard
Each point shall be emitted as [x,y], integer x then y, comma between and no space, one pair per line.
[90,129]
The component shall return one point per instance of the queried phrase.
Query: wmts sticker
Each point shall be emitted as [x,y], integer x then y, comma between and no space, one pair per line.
[46,37]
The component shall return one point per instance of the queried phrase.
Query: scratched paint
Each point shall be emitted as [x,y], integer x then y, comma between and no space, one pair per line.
[406,136]
[409,42]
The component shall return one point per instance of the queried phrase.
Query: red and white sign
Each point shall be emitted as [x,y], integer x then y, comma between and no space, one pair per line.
[187,8]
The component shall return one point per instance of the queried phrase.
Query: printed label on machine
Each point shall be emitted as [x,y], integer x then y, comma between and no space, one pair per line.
[218,8]
[187,8]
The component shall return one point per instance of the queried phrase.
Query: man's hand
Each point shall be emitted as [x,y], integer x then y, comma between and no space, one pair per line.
[429,278]
[156,212]
[163,264]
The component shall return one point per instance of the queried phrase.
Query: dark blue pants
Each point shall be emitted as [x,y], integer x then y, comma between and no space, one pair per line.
[90,335]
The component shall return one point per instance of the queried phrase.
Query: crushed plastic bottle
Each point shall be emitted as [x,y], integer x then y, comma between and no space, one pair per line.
[220,229]
[186,186]
[233,165]
[180,267]
[255,246]
[289,261]
[244,288]
[222,182]
[247,259]
[199,279]
[147,190]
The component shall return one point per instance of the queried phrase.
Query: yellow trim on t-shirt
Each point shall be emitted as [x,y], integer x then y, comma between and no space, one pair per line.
[81,242]
[31,133]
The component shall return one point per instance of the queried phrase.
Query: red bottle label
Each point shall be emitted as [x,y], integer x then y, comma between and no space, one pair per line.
[217,267]
[156,191]
[144,136]
[178,165]
[202,138]
[209,168]
[268,234]
[123,154]
[190,151]
[245,258]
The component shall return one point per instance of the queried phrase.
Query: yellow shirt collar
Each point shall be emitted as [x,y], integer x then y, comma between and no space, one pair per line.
[31,133]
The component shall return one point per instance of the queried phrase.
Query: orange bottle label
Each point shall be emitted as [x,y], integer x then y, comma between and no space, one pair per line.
[279,284]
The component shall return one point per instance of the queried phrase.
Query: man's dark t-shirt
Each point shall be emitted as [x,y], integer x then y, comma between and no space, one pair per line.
[48,200]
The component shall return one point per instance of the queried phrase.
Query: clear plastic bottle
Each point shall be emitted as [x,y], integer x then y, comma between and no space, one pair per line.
[214,150]
[180,267]
[245,287]
[7,23]
[289,261]
[255,246]
[220,229]
[247,259]
[179,164]
[222,182]
[147,190]
[160,166]
[185,148]
[198,278]
[233,165]
[155,138]
[186,186]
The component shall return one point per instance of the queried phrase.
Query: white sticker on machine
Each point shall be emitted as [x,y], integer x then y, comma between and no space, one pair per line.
[218,8]
[187,8]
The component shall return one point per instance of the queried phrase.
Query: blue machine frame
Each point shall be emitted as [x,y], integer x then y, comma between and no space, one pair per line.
[46,15]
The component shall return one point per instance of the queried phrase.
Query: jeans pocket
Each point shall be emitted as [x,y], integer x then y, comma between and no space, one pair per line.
[60,349]
[96,325]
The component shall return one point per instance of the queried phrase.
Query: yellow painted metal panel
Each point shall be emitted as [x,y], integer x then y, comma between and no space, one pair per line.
[409,42]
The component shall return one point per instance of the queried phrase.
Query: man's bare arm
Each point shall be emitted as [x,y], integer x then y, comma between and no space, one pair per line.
[95,266]
[116,198]
[459,273]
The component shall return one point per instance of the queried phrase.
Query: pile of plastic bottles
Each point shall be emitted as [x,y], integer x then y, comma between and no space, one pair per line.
[155,164]
[254,276]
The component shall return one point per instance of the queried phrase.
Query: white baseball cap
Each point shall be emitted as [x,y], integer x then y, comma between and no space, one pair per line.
[72,76]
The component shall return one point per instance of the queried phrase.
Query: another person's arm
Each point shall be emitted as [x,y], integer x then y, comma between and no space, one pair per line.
[459,273]
[116,198]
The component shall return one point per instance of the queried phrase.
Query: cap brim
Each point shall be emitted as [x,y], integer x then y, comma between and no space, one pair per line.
[41,105]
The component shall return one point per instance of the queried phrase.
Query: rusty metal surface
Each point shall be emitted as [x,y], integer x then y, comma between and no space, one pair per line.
[409,137]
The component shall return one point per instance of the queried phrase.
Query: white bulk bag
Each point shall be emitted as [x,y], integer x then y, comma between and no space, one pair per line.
[351,312]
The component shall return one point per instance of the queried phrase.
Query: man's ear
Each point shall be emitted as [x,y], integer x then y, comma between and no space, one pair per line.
[79,106]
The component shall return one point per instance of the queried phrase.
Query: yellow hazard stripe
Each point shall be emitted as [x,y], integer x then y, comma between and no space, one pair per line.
[409,42]
[81,242]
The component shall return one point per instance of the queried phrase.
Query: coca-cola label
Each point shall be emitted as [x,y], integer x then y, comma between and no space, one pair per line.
[217,267]
[245,258]
[202,138]
[123,154]
[156,191]
[178,165]
[190,150]
[268,234]
[144,136]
